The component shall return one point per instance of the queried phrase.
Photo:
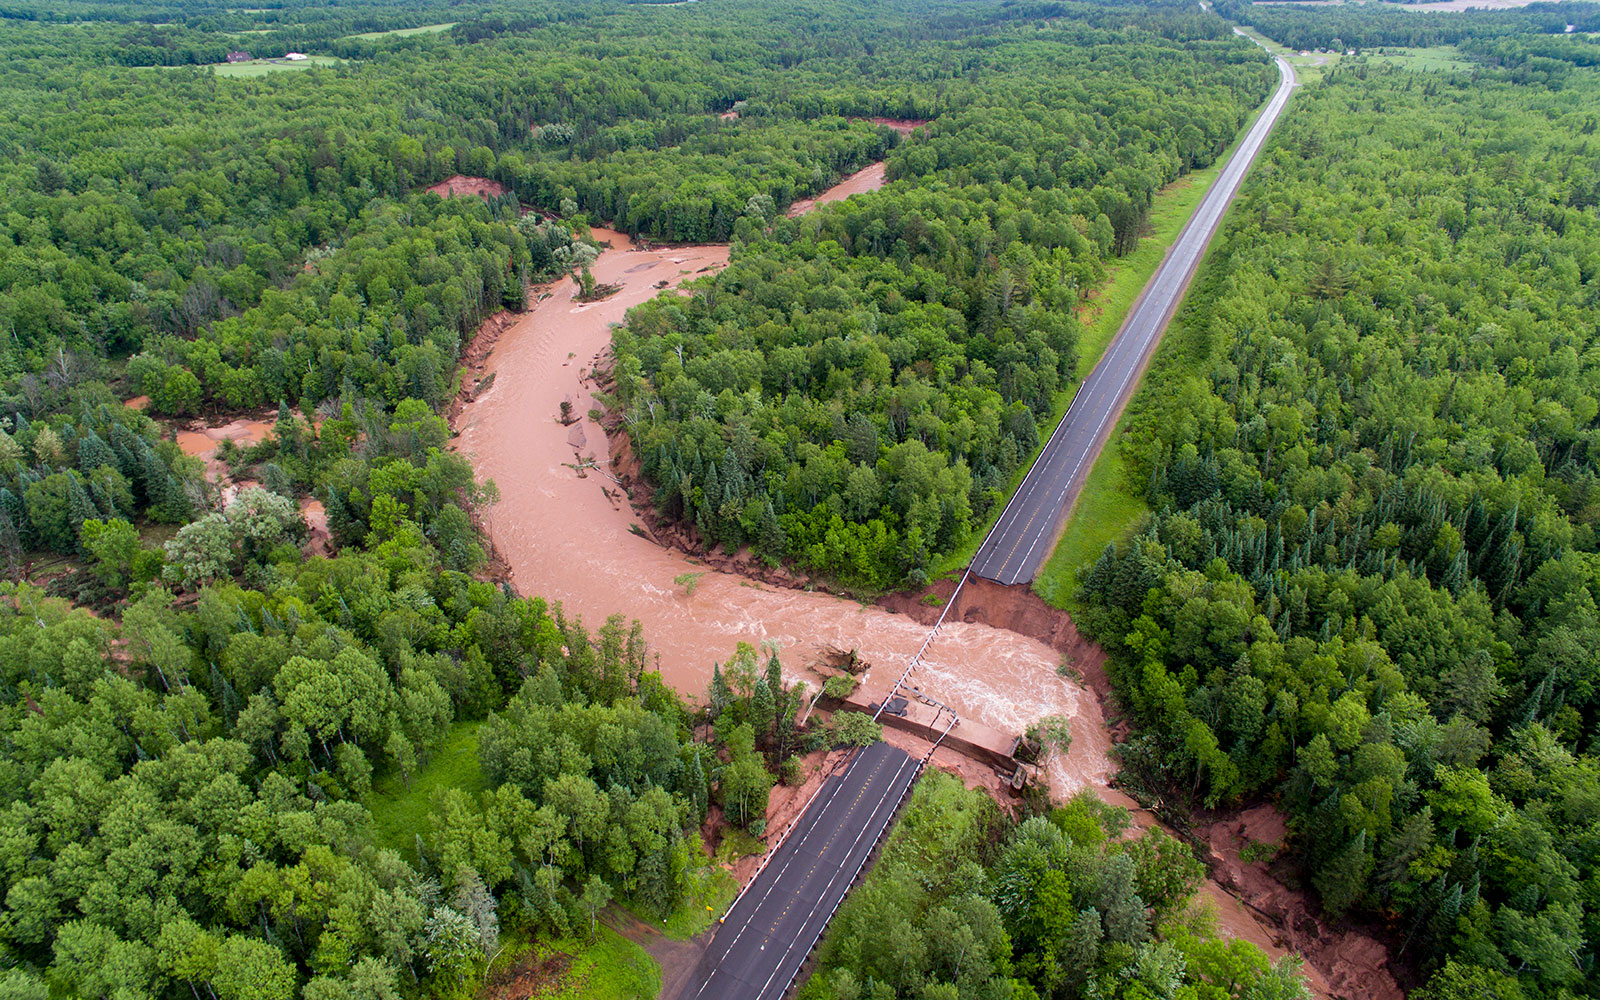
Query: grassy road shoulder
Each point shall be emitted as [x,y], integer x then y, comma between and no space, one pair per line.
[1109,505]
[1102,313]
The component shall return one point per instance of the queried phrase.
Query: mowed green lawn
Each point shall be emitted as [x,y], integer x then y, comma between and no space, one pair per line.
[261,67]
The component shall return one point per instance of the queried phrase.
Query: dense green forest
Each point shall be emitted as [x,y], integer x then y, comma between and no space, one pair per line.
[192,817]
[966,902]
[237,768]
[855,392]
[1369,587]
[1369,590]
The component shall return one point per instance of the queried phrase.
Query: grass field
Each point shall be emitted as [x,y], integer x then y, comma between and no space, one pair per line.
[1434,59]
[1307,69]
[426,29]
[1107,307]
[612,968]
[261,67]
[397,811]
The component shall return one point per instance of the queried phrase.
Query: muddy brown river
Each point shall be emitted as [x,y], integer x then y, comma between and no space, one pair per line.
[566,535]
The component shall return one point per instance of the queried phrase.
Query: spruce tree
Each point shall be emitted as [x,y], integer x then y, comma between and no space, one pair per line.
[80,506]
[763,710]
[1343,881]
[93,453]
[719,697]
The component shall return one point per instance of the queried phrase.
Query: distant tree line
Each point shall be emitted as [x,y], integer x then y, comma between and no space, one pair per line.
[1311,26]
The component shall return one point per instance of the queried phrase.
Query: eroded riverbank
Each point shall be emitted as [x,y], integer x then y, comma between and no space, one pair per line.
[568,533]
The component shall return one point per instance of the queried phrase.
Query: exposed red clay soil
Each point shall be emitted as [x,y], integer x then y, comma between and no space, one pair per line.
[461,184]
[635,491]
[564,522]
[1089,306]
[1354,963]
[475,356]
[203,440]
[319,542]
[137,403]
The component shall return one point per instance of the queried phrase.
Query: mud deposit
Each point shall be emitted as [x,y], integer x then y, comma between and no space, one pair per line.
[461,184]
[203,441]
[566,531]
[1353,963]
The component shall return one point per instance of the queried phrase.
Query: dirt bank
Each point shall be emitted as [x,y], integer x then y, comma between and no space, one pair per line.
[565,526]
[461,184]
[1353,962]
[1251,899]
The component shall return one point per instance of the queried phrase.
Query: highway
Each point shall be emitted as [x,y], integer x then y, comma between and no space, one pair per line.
[767,934]
[1025,533]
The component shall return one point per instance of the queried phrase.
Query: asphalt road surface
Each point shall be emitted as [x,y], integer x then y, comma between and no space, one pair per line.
[765,938]
[1025,533]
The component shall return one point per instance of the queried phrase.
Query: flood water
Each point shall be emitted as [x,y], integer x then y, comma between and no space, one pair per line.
[868,179]
[567,538]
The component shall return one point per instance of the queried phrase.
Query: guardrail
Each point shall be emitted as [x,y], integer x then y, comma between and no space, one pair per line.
[773,850]
[899,804]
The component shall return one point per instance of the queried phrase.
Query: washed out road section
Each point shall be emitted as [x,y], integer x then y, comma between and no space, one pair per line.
[1026,530]
[765,938]
[568,536]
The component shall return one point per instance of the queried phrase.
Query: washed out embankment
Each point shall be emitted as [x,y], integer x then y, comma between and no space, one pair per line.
[566,530]
[1252,903]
